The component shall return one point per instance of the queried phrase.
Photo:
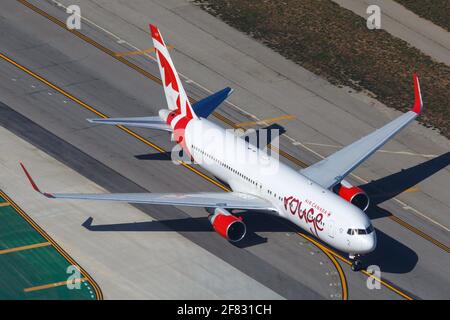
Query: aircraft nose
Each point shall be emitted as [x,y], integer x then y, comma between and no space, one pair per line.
[370,242]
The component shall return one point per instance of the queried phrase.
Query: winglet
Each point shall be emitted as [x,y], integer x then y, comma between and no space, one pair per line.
[418,104]
[155,34]
[33,184]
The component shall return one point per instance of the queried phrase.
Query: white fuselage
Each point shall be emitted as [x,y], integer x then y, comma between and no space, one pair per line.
[248,169]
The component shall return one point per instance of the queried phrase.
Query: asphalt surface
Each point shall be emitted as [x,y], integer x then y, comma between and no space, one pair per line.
[275,256]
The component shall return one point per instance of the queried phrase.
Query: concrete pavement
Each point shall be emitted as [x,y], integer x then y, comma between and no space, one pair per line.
[406,25]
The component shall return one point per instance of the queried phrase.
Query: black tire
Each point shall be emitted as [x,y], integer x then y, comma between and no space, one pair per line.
[356,265]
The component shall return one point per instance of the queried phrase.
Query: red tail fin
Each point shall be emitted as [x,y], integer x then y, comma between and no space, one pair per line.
[173,88]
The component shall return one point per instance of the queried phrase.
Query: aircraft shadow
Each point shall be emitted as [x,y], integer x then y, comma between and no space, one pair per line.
[263,136]
[390,186]
[155,156]
[181,225]
[390,255]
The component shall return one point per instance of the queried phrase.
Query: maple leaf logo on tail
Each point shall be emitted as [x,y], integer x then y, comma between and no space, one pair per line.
[173,88]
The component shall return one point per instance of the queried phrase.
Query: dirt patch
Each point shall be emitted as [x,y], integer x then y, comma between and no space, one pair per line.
[335,43]
[437,11]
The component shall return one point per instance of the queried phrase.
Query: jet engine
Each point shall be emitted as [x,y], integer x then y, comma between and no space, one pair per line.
[228,226]
[352,194]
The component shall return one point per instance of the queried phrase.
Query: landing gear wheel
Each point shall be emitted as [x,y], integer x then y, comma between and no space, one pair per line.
[357,265]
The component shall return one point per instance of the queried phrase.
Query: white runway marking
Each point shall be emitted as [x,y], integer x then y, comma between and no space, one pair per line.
[405,153]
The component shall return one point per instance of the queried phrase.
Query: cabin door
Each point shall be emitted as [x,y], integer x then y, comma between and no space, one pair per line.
[331,229]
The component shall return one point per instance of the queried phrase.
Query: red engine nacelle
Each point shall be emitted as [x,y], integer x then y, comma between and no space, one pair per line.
[228,226]
[352,194]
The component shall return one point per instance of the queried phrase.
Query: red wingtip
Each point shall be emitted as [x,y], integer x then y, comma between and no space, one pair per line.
[418,104]
[33,184]
[155,33]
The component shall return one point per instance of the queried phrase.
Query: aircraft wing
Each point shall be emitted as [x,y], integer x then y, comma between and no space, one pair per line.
[142,122]
[236,200]
[330,171]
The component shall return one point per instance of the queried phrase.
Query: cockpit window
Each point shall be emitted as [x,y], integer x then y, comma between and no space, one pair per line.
[368,230]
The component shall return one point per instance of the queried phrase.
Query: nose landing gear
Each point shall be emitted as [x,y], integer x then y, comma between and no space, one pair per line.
[357,264]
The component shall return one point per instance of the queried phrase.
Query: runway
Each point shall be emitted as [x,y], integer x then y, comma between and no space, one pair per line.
[89,77]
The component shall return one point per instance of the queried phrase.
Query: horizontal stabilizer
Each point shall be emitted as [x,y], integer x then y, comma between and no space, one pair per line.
[142,122]
[206,106]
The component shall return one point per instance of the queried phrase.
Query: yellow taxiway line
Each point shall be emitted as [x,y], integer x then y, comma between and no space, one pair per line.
[265,121]
[53,285]
[32,246]
[368,274]
[413,189]
[330,255]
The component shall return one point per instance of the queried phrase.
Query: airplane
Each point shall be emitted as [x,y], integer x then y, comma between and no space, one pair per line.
[318,199]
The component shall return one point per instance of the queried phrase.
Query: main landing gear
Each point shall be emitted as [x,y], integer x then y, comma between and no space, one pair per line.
[357,264]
